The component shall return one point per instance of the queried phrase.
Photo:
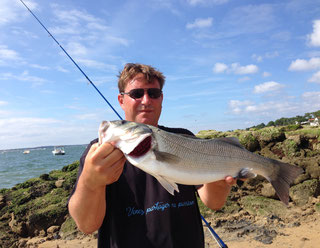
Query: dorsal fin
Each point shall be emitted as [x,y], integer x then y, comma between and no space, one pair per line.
[230,140]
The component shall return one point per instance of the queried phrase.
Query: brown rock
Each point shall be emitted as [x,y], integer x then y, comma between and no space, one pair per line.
[268,191]
[17,227]
[59,183]
[314,171]
[53,229]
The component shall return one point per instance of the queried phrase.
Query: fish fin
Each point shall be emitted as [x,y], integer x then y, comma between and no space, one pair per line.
[282,179]
[166,157]
[230,140]
[245,173]
[169,185]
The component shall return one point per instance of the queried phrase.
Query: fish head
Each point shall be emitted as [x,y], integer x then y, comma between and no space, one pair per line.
[133,139]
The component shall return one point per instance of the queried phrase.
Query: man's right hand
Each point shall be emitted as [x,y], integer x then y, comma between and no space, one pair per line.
[103,165]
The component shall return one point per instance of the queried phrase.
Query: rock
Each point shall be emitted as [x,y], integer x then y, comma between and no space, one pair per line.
[268,135]
[301,193]
[18,227]
[303,177]
[68,229]
[2,201]
[59,183]
[42,233]
[261,206]
[314,171]
[268,191]
[22,243]
[53,229]
[249,141]
[297,138]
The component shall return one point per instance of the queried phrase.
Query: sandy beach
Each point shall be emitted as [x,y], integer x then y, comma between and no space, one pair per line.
[305,235]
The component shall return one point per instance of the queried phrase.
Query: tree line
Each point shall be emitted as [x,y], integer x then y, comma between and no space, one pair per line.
[289,121]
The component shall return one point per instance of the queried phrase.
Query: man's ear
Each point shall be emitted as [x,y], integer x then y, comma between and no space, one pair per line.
[120,100]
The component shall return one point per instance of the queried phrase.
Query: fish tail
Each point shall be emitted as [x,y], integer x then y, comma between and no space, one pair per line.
[284,176]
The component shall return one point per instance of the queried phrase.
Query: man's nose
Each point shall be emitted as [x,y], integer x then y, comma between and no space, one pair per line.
[146,98]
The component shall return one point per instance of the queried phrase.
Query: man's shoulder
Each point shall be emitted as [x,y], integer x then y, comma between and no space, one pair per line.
[176,130]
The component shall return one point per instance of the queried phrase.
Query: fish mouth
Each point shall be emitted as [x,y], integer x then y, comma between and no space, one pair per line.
[142,148]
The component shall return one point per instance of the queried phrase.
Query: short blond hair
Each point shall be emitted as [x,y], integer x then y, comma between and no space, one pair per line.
[130,70]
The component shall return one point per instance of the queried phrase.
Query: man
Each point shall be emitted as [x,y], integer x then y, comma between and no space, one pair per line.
[129,207]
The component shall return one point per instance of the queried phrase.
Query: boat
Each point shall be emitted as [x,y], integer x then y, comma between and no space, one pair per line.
[58,151]
[26,151]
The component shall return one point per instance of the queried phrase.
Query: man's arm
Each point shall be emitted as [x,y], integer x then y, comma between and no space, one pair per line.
[214,195]
[87,206]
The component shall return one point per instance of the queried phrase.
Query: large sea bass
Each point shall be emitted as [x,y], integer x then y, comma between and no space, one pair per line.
[173,158]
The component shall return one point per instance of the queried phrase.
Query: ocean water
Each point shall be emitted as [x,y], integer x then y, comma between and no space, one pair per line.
[17,167]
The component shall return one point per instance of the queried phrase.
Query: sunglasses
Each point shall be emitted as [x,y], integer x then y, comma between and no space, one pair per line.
[153,93]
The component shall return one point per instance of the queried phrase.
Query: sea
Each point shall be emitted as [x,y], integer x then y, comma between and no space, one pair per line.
[17,167]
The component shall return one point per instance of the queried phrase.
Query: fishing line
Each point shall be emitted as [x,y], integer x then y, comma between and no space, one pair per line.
[72,61]
[213,233]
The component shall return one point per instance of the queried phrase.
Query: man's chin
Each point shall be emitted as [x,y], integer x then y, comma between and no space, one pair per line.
[146,120]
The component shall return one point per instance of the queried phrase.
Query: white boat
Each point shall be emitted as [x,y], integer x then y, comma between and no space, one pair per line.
[26,151]
[58,151]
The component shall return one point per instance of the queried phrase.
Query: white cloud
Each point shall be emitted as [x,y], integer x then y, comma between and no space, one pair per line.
[220,68]
[315,78]
[257,58]
[266,74]
[97,64]
[305,65]
[238,106]
[247,69]
[118,40]
[8,54]
[265,108]
[235,68]
[312,96]
[267,87]
[200,23]
[314,37]
[60,68]
[77,49]
[268,55]
[2,103]
[206,2]
[41,67]
[13,11]
[74,16]
[24,76]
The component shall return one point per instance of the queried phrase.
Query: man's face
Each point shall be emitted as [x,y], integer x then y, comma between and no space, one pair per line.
[145,109]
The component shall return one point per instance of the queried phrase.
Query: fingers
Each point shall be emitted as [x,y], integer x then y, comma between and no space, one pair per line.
[103,165]
[230,180]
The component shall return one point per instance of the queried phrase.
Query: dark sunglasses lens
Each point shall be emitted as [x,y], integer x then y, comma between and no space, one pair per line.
[136,93]
[154,93]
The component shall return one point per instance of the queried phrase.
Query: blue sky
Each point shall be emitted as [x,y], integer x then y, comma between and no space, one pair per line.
[229,64]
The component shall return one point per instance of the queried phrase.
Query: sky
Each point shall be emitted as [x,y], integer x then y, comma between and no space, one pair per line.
[229,64]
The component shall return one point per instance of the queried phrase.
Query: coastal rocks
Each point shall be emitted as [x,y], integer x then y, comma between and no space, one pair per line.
[18,227]
[270,134]
[249,141]
[59,183]
[37,207]
[301,193]
[2,201]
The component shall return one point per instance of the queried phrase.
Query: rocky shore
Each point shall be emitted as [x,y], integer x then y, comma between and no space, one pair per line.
[34,213]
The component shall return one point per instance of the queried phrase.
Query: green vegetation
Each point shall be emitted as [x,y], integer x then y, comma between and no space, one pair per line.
[288,121]
[259,205]
[36,204]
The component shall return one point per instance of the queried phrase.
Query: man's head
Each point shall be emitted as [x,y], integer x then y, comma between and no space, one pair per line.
[140,87]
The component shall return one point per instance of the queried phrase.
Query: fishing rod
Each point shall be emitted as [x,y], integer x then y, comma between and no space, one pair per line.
[213,233]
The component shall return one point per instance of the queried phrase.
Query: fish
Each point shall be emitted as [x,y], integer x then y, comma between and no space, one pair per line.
[184,159]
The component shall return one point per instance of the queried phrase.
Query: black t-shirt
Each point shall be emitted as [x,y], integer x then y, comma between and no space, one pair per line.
[141,213]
